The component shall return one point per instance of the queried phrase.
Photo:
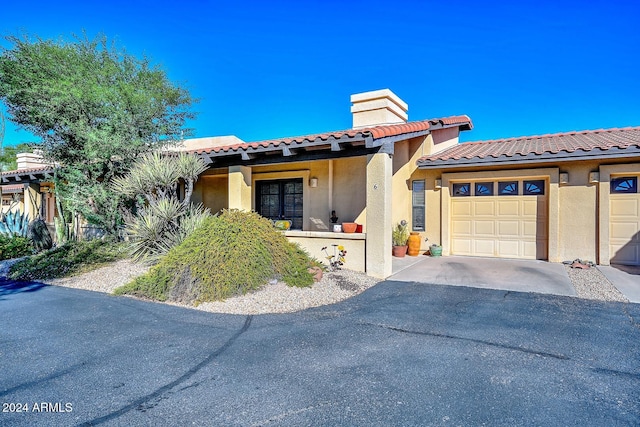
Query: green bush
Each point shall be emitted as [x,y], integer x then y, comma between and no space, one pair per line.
[228,255]
[68,259]
[14,247]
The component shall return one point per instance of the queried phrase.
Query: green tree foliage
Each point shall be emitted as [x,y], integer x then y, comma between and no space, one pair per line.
[162,220]
[230,254]
[95,108]
[8,161]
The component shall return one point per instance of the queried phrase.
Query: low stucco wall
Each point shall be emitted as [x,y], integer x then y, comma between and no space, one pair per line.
[313,242]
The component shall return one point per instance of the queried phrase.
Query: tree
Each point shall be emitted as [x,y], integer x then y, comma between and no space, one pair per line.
[96,109]
[8,160]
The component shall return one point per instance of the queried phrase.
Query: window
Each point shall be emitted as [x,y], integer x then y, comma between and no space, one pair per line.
[418,205]
[508,188]
[281,199]
[484,188]
[627,184]
[533,188]
[461,190]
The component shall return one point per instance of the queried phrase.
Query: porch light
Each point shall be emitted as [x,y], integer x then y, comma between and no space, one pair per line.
[564,178]
[313,182]
[594,177]
[438,183]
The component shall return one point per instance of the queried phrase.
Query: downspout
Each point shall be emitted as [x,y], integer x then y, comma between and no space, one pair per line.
[330,186]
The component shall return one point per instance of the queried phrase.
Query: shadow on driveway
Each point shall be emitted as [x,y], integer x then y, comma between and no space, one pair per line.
[10,287]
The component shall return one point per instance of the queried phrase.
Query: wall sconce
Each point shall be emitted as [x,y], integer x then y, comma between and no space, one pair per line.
[313,182]
[564,177]
[438,183]
[594,177]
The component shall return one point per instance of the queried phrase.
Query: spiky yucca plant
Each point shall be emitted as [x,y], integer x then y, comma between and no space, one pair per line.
[162,221]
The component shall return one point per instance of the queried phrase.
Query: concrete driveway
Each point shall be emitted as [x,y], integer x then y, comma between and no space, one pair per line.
[489,273]
[398,354]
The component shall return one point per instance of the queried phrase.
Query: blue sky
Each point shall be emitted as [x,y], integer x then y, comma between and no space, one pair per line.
[273,69]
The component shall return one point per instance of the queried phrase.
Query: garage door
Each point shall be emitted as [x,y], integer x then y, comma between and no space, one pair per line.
[624,221]
[506,219]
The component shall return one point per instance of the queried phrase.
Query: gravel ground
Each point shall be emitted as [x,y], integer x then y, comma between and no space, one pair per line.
[590,283]
[273,298]
[280,298]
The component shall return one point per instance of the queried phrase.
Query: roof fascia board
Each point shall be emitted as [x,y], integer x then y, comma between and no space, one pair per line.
[614,153]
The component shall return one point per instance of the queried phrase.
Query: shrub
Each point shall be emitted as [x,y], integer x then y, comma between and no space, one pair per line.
[68,259]
[14,247]
[228,255]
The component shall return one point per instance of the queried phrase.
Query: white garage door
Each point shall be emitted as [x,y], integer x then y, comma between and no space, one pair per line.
[506,219]
[624,221]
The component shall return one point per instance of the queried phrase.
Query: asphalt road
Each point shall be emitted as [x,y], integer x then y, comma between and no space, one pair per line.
[399,354]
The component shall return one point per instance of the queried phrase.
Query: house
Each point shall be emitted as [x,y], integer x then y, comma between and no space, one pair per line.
[365,174]
[551,197]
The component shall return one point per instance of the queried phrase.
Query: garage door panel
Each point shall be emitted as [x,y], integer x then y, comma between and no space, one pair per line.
[461,246]
[508,248]
[622,207]
[501,226]
[461,208]
[530,207]
[625,254]
[485,208]
[508,207]
[484,228]
[508,228]
[482,247]
[530,229]
[462,227]
[624,228]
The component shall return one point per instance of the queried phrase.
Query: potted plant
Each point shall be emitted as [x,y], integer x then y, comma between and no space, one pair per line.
[399,237]
[435,250]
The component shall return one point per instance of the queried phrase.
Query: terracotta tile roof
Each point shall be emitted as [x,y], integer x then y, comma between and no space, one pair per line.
[26,171]
[575,143]
[11,188]
[375,132]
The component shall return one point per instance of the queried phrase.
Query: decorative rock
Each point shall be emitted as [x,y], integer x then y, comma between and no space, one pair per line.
[316,272]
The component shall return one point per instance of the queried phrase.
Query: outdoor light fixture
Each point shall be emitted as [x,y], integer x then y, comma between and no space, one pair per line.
[313,182]
[438,183]
[564,177]
[594,177]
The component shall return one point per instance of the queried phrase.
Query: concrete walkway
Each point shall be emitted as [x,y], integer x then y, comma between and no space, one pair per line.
[490,273]
[625,278]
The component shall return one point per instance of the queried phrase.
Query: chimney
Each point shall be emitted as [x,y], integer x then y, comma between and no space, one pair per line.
[378,107]
[30,160]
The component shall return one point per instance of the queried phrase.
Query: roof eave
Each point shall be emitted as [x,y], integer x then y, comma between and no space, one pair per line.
[595,154]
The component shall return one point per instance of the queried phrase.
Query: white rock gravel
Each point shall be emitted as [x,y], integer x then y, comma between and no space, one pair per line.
[590,283]
[272,298]
[280,298]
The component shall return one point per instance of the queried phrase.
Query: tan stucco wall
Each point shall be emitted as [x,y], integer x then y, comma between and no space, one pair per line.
[212,192]
[349,194]
[345,193]
[578,210]
[578,214]
[313,243]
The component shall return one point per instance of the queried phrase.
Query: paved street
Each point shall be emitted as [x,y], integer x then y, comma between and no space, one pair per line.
[399,354]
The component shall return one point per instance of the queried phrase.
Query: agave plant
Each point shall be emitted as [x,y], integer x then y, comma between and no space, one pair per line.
[14,223]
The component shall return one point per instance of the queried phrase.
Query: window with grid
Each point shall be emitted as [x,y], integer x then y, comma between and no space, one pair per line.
[418,205]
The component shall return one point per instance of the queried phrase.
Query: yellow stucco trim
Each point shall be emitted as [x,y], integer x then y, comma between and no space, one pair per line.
[604,192]
[549,174]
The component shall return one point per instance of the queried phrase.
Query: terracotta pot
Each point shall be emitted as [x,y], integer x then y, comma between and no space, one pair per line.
[349,227]
[399,251]
[414,244]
